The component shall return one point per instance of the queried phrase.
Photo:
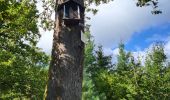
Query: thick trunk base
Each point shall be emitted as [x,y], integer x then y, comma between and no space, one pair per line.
[65,73]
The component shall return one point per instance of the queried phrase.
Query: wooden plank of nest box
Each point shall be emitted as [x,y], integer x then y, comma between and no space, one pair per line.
[71,21]
[84,38]
[76,1]
[71,18]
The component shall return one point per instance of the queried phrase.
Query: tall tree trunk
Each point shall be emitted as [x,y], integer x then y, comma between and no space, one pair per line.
[66,68]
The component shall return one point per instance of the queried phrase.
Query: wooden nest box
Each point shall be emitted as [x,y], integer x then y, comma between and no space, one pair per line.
[72,11]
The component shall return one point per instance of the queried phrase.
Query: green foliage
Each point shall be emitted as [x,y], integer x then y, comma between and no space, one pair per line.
[22,64]
[95,64]
[129,80]
[156,74]
[153,3]
[123,59]
[88,86]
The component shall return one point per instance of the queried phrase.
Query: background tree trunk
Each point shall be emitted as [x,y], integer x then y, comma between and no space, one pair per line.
[66,68]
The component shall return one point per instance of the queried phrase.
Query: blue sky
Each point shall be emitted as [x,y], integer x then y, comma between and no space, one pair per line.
[121,20]
[143,39]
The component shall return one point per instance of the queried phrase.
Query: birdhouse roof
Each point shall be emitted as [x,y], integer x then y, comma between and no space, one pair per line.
[62,2]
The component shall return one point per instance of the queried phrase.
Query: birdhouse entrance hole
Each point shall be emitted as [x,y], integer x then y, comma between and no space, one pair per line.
[71,12]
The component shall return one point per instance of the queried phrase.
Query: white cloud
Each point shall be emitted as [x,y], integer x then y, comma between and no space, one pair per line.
[164,39]
[109,51]
[142,54]
[116,21]
[120,19]
[139,54]
[46,41]
[167,49]
[113,52]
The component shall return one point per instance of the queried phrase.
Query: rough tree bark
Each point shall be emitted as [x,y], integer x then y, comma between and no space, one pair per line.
[65,72]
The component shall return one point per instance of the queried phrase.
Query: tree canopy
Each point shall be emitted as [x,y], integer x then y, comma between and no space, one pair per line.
[22,72]
[128,78]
